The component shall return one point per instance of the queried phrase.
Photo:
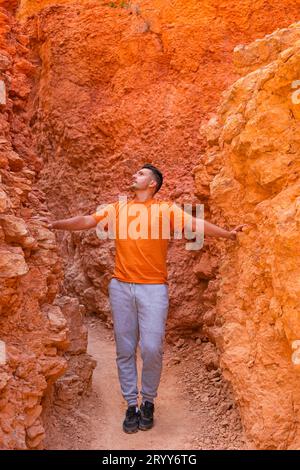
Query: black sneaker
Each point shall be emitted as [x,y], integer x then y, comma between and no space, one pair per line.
[146,418]
[131,421]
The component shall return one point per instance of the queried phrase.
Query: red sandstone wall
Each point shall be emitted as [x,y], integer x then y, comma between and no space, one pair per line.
[255,178]
[32,332]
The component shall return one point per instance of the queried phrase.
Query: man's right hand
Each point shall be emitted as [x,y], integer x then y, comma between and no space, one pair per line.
[234,232]
[49,224]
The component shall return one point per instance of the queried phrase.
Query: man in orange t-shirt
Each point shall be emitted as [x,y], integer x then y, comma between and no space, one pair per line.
[138,290]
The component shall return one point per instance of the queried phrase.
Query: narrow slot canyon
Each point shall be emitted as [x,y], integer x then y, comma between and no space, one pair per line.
[209,92]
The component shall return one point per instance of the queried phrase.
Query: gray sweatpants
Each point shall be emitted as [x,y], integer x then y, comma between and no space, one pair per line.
[139,313]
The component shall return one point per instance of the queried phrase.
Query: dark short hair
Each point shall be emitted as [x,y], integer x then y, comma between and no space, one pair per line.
[157,175]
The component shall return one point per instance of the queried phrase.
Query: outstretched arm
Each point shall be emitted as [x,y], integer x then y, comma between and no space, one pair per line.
[214,231]
[79,222]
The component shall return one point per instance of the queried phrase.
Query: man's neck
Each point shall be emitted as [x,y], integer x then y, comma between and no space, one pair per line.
[142,197]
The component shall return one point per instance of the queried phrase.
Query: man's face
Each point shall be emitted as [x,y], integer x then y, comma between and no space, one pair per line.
[143,179]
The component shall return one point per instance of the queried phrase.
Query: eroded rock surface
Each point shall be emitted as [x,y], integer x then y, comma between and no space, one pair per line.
[253,162]
[30,271]
[36,337]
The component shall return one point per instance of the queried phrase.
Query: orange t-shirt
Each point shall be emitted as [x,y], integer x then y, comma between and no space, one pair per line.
[141,231]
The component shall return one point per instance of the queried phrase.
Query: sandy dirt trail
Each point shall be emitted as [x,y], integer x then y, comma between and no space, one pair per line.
[184,419]
[173,420]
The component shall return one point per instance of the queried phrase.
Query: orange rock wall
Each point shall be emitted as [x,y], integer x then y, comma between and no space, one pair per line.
[33,333]
[254,146]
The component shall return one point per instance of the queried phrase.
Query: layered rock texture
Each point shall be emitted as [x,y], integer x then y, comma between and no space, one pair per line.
[34,333]
[254,166]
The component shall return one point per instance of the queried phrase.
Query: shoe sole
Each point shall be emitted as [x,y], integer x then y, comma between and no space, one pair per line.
[130,431]
[145,427]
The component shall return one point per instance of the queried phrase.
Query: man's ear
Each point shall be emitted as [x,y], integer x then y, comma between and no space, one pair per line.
[152,183]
